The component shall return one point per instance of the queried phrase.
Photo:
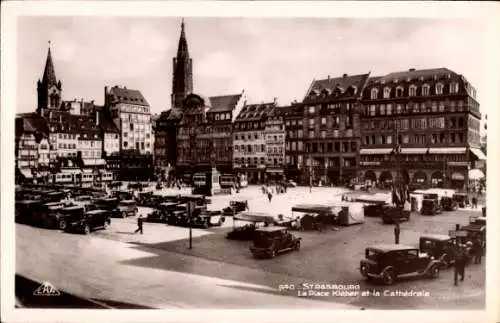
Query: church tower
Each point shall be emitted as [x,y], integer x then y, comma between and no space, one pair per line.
[182,81]
[49,88]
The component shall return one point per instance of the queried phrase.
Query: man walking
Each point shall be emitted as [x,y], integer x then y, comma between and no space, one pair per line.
[140,220]
[397,231]
[478,251]
[269,196]
[460,262]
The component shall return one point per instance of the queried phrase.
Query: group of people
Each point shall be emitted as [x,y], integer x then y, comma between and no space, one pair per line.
[268,190]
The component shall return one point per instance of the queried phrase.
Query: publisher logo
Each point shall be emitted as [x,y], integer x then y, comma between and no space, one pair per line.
[46,289]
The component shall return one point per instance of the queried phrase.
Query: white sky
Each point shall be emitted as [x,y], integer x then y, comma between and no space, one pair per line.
[268,57]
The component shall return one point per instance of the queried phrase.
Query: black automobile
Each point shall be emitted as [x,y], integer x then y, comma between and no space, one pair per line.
[440,246]
[253,220]
[123,195]
[462,199]
[374,209]
[235,207]
[48,217]
[127,208]
[270,241]
[476,230]
[448,204]
[392,213]
[89,221]
[388,262]
[431,207]
[162,212]
[207,219]
[68,215]
[26,211]
[54,196]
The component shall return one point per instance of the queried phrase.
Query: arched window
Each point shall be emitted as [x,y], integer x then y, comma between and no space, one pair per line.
[374,93]
[413,90]
[425,90]
[399,91]
[439,88]
[387,92]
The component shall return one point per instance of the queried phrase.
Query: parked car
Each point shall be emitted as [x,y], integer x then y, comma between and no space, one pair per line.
[430,207]
[54,196]
[162,212]
[68,215]
[108,203]
[476,230]
[389,262]
[270,241]
[48,215]
[83,200]
[439,246]
[127,207]
[253,220]
[26,210]
[89,221]
[235,207]
[448,204]
[393,213]
[123,195]
[208,218]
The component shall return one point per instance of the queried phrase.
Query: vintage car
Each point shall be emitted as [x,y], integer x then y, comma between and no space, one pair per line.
[89,221]
[440,246]
[270,241]
[127,207]
[253,220]
[392,213]
[162,212]
[388,262]
[68,215]
[83,200]
[135,186]
[48,215]
[235,207]
[54,196]
[177,217]
[476,230]
[448,204]
[123,195]
[198,199]
[108,203]
[314,216]
[462,199]
[26,211]
[430,207]
[206,219]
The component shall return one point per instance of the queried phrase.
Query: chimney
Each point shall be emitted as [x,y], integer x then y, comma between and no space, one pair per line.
[106,96]
[344,76]
[412,70]
[328,78]
[275,100]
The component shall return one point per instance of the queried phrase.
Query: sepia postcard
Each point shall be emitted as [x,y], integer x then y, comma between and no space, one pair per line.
[258,161]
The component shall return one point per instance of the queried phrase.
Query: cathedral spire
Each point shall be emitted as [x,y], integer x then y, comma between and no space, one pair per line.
[182,49]
[182,81]
[49,74]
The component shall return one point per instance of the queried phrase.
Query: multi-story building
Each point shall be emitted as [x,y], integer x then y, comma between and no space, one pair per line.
[109,133]
[249,141]
[294,140]
[275,145]
[132,116]
[165,147]
[26,149]
[64,132]
[331,129]
[431,116]
[205,132]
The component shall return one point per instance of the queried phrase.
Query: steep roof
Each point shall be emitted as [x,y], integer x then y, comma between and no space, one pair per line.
[31,123]
[105,121]
[344,84]
[255,111]
[224,103]
[413,73]
[129,96]
[49,73]
[182,49]
[68,123]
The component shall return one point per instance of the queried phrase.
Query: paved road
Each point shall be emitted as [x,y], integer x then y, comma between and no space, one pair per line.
[157,269]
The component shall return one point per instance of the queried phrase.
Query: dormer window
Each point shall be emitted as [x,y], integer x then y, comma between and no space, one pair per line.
[413,90]
[311,109]
[387,92]
[454,88]
[439,88]
[396,81]
[421,78]
[399,91]
[374,94]
[354,90]
[425,90]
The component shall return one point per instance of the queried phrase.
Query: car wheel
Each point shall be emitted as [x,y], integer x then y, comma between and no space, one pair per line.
[62,225]
[445,261]
[297,245]
[273,253]
[434,272]
[124,215]
[86,229]
[389,277]
[105,226]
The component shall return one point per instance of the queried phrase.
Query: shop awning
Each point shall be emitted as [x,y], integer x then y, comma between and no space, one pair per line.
[274,170]
[479,153]
[26,173]
[375,151]
[94,162]
[71,171]
[447,150]
[475,174]
[457,176]
[410,151]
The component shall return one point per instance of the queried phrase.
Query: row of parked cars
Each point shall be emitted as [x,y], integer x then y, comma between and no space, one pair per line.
[389,262]
[70,210]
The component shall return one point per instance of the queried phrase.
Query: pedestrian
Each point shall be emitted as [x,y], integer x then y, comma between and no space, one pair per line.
[460,261]
[397,231]
[140,220]
[269,196]
[474,202]
[246,206]
[478,251]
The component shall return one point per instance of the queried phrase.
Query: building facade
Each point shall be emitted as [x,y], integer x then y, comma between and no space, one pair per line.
[294,140]
[420,125]
[331,129]
[205,137]
[249,141]
[275,145]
